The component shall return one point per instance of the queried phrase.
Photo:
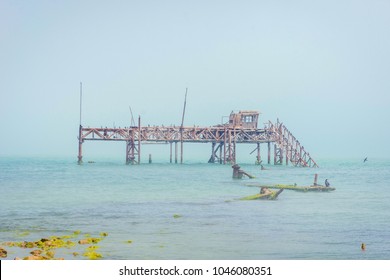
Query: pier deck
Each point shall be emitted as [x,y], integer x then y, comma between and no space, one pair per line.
[223,138]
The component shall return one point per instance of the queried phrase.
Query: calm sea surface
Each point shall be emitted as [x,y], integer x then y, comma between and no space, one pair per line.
[192,211]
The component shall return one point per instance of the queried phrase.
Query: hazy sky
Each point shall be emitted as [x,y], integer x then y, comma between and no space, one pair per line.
[322,67]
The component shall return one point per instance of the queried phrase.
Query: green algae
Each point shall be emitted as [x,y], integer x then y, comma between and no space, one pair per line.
[50,254]
[92,248]
[45,248]
[94,240]
[92,255]
[255,196]
[23,233]
[91,240]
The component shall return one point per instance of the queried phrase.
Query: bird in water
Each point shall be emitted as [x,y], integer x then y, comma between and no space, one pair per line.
[363,246]
[365,160]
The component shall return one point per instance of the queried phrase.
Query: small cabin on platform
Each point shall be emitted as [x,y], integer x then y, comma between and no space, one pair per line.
[244,119]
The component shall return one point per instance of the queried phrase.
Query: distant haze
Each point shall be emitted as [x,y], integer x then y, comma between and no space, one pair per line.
[321,67]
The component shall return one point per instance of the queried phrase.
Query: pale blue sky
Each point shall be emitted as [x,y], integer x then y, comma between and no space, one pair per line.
[322,67]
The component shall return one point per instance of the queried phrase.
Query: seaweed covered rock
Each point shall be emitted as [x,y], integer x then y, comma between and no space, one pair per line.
[3,253]
[46,248]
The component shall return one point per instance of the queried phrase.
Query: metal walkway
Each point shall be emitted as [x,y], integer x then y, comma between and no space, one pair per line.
[223,138]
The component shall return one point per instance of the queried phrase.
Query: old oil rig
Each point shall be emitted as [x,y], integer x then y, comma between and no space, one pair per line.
[242,127]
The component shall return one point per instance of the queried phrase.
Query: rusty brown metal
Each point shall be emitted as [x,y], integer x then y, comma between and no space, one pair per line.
[226,135]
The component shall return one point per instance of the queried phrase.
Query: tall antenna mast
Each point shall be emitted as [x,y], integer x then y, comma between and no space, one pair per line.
[184,109]
[132,123]
[80,155]
[81,99]
[181,128]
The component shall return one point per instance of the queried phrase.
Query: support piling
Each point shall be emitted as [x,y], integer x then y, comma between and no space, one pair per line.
[170,152]
[220,152]
[212,157]
[80,154]
[226,136]
[269,153]
[175,152]
[181,152]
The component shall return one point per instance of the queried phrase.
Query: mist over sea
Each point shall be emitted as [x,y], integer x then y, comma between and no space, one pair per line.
[193,211]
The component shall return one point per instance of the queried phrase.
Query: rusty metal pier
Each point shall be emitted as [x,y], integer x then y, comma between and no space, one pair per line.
[241,128]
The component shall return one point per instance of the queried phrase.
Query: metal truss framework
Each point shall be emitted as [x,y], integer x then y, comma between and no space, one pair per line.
[222,138]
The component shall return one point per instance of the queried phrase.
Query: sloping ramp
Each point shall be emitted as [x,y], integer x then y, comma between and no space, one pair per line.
[288,147]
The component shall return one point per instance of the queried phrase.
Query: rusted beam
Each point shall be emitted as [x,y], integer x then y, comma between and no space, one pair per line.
[285,143]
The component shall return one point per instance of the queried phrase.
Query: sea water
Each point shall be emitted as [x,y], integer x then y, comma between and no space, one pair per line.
[193,211]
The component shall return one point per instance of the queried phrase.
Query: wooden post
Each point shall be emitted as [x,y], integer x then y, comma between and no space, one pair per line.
[269,152]
[258,153]
[315,179]
[150,158]
[176,152]
[170,152]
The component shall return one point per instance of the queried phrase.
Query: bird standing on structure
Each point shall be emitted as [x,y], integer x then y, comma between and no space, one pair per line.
[327,184]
